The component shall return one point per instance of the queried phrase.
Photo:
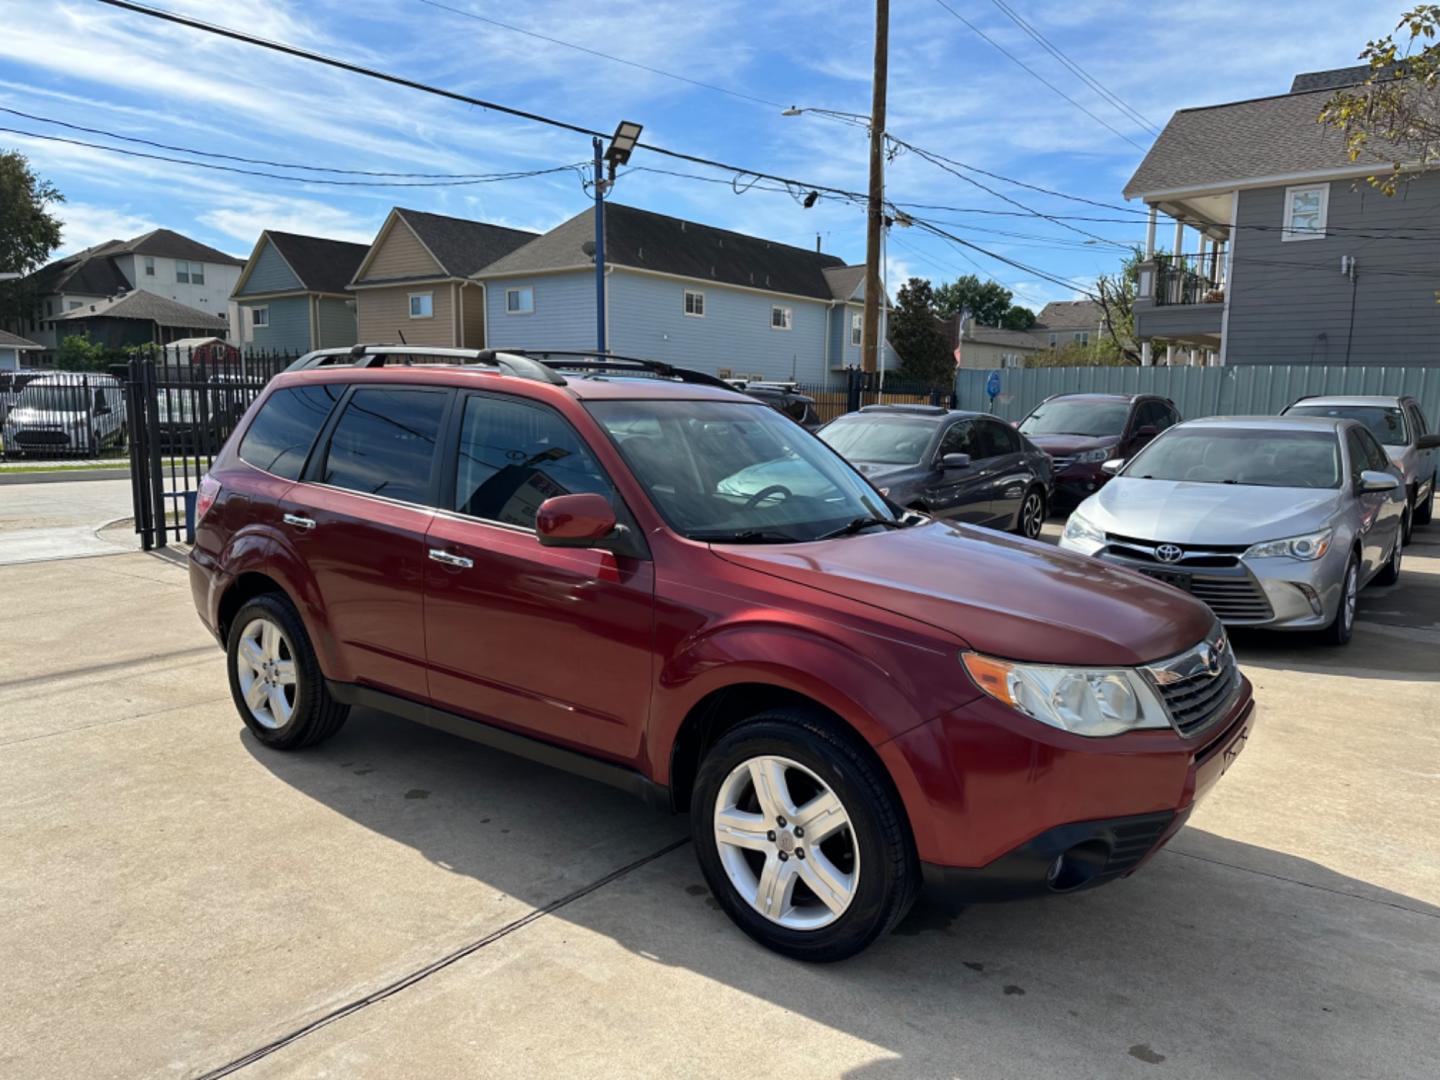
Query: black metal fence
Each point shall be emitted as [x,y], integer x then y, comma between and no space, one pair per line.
[858,389]
[1189,279]
[50,415]
[178,415]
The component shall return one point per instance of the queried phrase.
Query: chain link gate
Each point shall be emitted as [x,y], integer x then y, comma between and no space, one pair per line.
[179,412]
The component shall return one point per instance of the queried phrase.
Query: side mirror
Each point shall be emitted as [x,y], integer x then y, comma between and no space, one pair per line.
[1113,466]
[575,521]
[1375,480]
[955,461]
[1428,442]
[1148,431]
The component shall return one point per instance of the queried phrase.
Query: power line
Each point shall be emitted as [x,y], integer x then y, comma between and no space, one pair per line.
[477,179]
[233,157]
[1095,84]
[603,55]
[1037,76]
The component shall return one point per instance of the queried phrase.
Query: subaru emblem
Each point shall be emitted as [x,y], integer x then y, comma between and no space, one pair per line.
[1169,553]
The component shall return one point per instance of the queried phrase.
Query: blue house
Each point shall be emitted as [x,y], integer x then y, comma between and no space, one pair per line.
[734,305]
[292,293]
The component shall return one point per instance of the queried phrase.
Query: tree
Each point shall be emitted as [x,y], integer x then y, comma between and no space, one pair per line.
[988,303]
[1395,115]
[28,231]
[1018,318]
[1115,294]
[925,356]
[79,353]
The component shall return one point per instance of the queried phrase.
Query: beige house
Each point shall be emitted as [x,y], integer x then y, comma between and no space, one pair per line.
[413,285]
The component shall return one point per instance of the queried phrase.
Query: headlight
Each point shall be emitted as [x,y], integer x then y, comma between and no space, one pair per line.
[1083,701]
[1089,456]
[1309,547]
[1078,528]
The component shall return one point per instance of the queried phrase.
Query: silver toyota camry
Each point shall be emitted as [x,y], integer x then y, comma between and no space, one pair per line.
[1273,521]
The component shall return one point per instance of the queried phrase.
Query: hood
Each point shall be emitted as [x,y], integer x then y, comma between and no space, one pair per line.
[25,415]
[1064,445]
[1185,512]
[999,594]
[880,472]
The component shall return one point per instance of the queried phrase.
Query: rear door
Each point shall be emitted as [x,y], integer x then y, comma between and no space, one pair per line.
[1007,473]
[359,517]
[555,642]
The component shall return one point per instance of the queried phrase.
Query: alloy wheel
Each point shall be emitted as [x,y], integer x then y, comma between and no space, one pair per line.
[786,843]
[265,667]
[1032,516]
[1352,582]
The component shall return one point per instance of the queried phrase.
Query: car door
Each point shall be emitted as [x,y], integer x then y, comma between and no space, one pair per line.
[1424,459]
[959,494]
[1008,474]
[555,642]
[358,518]
[1379,515]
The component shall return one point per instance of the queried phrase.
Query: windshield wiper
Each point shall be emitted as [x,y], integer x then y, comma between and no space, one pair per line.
[859,523]
[746,536]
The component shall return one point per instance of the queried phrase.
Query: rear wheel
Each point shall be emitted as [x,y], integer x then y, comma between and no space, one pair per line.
[800,838]
[1343,625]
[1425,511]
[1407,521]
[275,678]
[1031,518]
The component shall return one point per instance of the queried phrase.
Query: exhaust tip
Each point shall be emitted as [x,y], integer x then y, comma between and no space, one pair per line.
[1078,866]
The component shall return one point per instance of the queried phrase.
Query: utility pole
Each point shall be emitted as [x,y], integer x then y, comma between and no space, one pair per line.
[599,247]
[870,330]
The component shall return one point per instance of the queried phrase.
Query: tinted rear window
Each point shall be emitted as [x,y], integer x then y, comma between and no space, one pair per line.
[1385,422]
[385,443]
[280,437]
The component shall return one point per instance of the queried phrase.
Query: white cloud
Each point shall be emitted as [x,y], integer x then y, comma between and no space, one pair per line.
[86,224]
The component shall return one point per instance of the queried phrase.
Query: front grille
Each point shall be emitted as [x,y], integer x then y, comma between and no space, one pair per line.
[41,438]
[1199,685]
[1211,555]
[1062,462]
[1233,599]
[1133,841]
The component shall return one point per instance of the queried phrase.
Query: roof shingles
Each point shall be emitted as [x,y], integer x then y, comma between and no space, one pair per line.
[149,307]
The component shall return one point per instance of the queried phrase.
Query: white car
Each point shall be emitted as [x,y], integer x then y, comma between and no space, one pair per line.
[66,413]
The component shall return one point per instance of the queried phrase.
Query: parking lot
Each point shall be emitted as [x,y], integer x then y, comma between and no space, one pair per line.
[398,902]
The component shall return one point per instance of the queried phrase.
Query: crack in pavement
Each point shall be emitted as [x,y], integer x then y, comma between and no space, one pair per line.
[406,981]
[110,665]
[108,723]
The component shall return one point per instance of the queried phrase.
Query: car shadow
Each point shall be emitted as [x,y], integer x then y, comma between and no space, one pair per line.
[1221,957]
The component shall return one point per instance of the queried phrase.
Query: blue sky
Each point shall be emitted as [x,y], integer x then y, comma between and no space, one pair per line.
[950,92]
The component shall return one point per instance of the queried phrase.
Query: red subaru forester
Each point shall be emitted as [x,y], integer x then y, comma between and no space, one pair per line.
[626,569]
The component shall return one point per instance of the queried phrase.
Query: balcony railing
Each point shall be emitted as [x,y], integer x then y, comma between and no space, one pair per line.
[1189,279]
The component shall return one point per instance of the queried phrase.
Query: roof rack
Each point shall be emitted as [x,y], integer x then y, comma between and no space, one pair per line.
[924,410]
[595,361]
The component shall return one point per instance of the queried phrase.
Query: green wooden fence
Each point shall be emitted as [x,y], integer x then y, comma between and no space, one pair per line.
[1243,390]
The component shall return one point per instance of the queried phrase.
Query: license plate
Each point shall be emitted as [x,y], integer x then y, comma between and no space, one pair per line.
[1178,578]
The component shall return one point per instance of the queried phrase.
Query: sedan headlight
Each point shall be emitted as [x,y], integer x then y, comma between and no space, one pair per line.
[1079,529]
[1083,701]
[1308,548]
[1090,456]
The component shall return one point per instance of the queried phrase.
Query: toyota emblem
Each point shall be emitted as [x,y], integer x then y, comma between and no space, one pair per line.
[1169,553]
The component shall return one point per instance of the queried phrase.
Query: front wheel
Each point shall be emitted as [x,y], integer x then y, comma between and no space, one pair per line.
[1031,518]
[1343,625]
[800,838]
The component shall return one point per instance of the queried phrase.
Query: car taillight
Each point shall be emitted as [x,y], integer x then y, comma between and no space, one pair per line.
[209,491]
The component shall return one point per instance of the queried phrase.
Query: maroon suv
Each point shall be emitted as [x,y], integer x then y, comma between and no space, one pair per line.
[627,570]
[1081,432]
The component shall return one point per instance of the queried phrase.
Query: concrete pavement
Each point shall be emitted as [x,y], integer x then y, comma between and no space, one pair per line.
[62,520]
[397,902]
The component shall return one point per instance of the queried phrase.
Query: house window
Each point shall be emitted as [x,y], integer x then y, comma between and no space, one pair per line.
[49,307]
[520,301]
[857,328]
[422,305]
[259,316]
[1054,340]
[695,303]
[197,273]
[780,318]
[1082,337]
[1305,212]
[74,305]
[149,266]
[182,271]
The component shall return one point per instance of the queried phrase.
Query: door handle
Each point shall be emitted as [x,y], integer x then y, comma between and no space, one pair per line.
[441,556]
[300,522]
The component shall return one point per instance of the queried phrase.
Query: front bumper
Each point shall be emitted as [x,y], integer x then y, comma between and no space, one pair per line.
[1077,482]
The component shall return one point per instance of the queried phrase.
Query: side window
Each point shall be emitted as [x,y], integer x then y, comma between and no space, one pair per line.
[960,439]
[995,439]
[280,437]
[514,455]
[1378,459]
[1166,417]
[1365,453]
[385,443]
[1417,421]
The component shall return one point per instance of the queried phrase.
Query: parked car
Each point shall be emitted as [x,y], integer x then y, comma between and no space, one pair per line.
[847,703]
[198,417]
[785,398]
[961,465]
[11,383]
[66,412]
[1399,424]
[1273,521]
[1081,432]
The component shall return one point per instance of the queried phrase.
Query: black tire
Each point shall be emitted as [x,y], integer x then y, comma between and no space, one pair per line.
[316,715]
[888,879]
[1029,522]
[1407,522]
[1343,625]
[1425,512]
[1390,573]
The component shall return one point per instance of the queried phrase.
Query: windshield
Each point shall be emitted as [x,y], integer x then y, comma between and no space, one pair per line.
[1385,422]
[1092,418]
[882,440]
[1207,455]
[732,472]
[50,397]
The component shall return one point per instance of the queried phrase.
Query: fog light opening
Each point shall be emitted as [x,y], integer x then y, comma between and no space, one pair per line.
[1311,596]
[1077,866]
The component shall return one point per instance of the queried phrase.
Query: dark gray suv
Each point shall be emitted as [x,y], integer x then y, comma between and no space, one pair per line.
[961,465]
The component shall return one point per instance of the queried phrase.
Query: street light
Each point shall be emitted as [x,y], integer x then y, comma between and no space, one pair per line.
[627,134]
[622,143]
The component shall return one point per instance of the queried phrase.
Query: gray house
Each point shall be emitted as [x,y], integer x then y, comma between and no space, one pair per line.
[1282,254]
[690,294]
[292,293]
[16,351]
